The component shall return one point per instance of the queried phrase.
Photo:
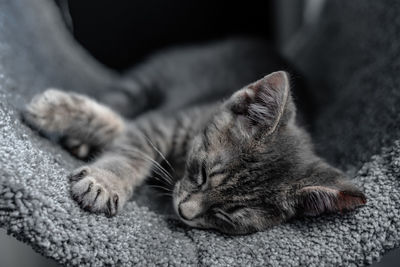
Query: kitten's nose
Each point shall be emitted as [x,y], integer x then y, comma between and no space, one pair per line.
[189,210]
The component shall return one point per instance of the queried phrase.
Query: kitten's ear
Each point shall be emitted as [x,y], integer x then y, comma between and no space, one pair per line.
[337,197]
[263,102]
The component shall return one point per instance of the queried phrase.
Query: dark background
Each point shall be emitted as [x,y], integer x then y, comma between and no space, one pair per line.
[121,33]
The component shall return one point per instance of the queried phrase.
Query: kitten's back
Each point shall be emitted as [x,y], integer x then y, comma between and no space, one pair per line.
[185,76]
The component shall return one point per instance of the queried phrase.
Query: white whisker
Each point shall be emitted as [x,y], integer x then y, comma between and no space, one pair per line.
[161,187]
[164,173]
[159,152]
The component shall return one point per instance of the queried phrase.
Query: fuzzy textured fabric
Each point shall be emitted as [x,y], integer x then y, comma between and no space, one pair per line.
[354,53]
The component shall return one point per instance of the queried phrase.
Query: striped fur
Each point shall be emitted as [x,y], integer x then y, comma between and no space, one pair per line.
[239,166]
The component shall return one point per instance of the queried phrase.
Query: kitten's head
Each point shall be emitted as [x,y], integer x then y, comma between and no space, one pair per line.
[252,167]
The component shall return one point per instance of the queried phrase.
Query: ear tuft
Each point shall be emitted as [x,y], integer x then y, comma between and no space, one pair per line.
[263,101]
[315,200]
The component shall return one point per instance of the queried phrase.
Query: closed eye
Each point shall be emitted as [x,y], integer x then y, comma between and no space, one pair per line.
[199,180]
[203,178]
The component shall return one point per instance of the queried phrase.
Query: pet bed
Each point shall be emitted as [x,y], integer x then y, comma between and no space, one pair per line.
[352,58]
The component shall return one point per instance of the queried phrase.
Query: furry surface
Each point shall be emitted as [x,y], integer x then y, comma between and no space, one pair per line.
[356,131]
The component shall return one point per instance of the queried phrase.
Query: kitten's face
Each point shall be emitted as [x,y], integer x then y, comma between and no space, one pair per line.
[221,188]
[251,167]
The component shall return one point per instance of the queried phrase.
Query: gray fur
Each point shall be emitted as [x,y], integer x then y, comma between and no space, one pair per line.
[36,207]
[243,165]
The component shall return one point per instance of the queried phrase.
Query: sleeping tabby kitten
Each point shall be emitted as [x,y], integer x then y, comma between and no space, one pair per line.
[241,165]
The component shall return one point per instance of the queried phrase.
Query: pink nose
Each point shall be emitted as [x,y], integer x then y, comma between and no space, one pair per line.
[189,210]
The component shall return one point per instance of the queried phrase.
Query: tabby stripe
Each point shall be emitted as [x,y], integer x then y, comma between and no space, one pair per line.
[206,140]
[156,129]
[217,172]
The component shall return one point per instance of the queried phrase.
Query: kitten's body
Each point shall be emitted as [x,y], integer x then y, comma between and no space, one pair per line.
[188,76]
[239,166]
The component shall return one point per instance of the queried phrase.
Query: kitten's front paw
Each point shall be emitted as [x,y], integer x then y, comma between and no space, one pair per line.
[53,111]
[98,190]
[48,110]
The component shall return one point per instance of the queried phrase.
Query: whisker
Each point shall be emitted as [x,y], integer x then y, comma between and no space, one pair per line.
[225,217]
[155,163]
[159,152]
[247,246]
[161,187]
[161,179]
[162,174]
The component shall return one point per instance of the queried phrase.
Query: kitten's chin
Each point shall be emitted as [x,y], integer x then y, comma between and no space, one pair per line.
[198,223]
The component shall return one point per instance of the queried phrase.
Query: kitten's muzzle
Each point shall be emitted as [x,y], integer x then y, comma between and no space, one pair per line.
[181,214]
[191,207]
[187,206]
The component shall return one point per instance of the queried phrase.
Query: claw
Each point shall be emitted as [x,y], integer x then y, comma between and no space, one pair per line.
[98,194]
[89,188]
[83,173]
[109,209]
[116,199]
[80,175]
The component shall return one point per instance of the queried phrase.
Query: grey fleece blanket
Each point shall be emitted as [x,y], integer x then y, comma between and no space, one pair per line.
[357,129]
